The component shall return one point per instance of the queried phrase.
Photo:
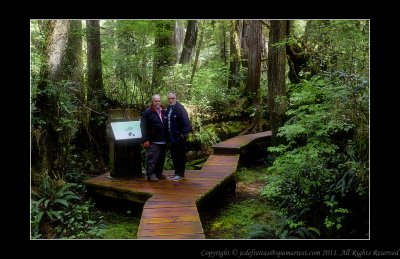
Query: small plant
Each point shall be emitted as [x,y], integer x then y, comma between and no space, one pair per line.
[50,202]
[287,228]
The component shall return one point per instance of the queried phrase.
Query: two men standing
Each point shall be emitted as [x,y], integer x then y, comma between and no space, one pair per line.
[159,127]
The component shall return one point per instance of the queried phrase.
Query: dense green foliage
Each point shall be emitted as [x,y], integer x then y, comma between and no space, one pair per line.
[318,184]
[321,174]
[127,54]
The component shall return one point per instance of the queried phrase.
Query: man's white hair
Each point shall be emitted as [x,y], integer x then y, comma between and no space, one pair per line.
[154,97]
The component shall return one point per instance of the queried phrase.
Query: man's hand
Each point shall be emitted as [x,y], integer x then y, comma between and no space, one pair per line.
[146,144]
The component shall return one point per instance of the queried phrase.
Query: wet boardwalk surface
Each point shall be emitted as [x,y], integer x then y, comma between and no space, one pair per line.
[170,208]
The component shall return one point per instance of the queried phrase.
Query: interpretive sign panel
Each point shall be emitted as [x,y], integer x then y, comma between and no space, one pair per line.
[126,130]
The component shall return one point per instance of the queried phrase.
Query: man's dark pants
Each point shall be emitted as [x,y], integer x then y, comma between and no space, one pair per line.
[178,155]
[155,159]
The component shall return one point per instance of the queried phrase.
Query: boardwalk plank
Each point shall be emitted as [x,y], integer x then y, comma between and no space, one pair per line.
[187,236]
[170,219]
[172,225]
[170,210]
[168,232]
[168,204]
[155,213]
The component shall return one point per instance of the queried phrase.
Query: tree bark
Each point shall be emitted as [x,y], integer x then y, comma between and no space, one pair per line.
[223,42]
[190,42]
[97,98]
[94,74]
[235,55]
[196,59]
[244,42]
[277,101]
[73,65]
[254,44]
[179,37]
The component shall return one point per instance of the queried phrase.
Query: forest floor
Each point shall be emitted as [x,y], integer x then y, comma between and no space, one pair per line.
[233,216]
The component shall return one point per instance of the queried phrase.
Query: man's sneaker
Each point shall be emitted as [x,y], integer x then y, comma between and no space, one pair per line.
[152,178]
[161,177]
[171,176]
[177,178]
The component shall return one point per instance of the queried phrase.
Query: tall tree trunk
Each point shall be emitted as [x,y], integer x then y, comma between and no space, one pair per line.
[196,60]
[179,37]
[94,74]
[47,99]
[277,101]
[190,42]
[223,42]
[46,102]
[264,53]
[235,55]
[253,94]
[96,94]
[164,53]
[244,42]
[73,73]
[73,65]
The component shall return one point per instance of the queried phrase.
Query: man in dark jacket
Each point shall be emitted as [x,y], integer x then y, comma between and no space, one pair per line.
[178,127]
[153,139]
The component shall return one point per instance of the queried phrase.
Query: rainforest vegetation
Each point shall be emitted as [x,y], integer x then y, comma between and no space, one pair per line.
[305,80]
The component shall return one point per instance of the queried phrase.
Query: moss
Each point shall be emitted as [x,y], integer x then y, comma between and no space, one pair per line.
[196,164]
[251,176]
[235,218]
[120,226]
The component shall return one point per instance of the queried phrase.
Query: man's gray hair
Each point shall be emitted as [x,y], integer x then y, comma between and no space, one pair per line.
[171,93]
[154,97]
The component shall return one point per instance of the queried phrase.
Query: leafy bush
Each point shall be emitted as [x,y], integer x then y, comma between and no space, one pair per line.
[321,169]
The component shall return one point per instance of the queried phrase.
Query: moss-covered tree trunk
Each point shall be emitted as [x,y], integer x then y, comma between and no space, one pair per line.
[190,42]
[252,91]
[277,101]
[61,71]
[164,54]
[196,59]
[244,43]
[235,55]
[96,95]
[223,48]
[179,37]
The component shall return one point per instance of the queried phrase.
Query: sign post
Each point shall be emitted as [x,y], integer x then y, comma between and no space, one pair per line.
[126,130]
[125,148]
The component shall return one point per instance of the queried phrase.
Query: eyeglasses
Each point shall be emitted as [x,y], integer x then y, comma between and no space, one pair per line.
[171,98]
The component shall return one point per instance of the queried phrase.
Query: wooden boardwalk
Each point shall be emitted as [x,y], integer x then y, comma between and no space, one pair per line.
[170,208]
